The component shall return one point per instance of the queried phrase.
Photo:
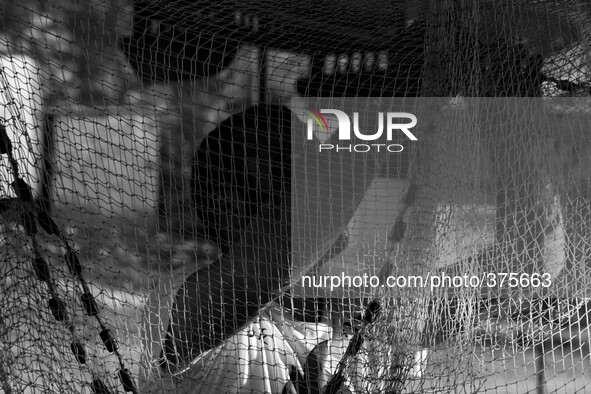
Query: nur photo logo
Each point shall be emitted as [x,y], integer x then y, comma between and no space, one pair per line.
[389,125]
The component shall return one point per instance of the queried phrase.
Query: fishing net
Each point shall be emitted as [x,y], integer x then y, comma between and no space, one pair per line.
[193,197]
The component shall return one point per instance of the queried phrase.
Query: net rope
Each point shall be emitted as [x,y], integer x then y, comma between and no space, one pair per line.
[147,196]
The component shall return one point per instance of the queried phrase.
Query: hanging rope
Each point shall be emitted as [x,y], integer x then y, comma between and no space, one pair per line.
[33,214]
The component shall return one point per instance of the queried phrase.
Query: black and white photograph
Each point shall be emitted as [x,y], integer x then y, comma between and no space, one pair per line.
[295,196]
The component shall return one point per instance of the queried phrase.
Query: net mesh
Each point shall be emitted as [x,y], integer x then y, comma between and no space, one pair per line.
[146,170]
